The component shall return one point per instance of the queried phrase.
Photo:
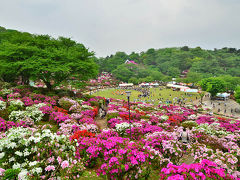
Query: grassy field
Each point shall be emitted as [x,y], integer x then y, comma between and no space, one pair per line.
[156,93]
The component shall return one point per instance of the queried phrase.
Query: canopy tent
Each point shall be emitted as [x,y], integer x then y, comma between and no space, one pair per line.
[182,88]
[126,85]
[177,86]
[192,90]
[223,95]
[154,84]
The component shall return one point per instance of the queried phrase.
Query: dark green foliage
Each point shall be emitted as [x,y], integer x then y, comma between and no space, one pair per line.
[4,114]
[213,85]
[237,94]
[94,103]
[112,115]
[11,174]
[162,64]
[25,56]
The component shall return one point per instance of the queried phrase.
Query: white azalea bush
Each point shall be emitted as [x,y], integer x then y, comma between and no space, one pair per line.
[39,154]
[84,107]
[212,129]
[3,105]
[17,116]
[6,91]
[17,103]
[164,117]
[122,127]
[32,113]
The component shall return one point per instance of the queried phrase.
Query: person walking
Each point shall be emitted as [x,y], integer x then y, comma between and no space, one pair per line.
[107,102]
[184,137]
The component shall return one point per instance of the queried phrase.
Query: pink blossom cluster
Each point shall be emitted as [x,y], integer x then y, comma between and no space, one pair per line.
[58,117]
[114,152]
[225,123]
[5,125]
[204,170]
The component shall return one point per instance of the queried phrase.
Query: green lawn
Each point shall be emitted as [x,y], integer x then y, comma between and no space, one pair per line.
[156,93]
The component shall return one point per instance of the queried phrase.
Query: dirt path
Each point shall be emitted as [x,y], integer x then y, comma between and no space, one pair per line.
[101,123]
[187,159]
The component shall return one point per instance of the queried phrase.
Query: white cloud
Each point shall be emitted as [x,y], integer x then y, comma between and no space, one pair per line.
[107,26]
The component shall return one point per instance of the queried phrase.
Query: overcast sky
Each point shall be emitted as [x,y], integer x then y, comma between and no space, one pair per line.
[108,26]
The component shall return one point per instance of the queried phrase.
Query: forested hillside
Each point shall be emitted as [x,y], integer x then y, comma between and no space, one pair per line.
[162,64]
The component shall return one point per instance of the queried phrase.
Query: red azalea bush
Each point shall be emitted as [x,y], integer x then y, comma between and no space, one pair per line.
[83,133]
[58,109]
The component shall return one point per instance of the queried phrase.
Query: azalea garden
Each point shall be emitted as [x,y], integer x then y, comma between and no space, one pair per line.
[58,137]
[51,128]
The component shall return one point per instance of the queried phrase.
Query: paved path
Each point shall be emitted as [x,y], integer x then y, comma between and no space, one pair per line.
[228,108]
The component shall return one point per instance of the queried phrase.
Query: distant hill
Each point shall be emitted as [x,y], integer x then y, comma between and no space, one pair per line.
[162,64]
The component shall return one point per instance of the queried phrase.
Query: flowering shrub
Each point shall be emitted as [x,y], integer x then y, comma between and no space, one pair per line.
[227,124]
[32,113]
[83,133]
[121,157]
[27,101]
[66,103]
[5,125]
[47,109]
[41,154]
[224,160]
[212,129]
[189,124]
[121,128]
[16,103]
[5,92]
[204,170]
[165,145]
[17,115]
[57,109]
[13,96]
[2,105]
[36,156]
[58,117]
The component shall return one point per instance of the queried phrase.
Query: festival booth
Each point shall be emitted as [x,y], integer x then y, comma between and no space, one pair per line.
[144,85]
[178,87]
[192,90]
[223,96]
[154,84]
[126,85]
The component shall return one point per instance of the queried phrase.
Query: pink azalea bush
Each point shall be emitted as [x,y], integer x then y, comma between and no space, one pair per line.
[119,156]
[204,170]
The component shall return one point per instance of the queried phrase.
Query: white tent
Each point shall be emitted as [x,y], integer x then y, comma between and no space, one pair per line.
[192,90]
[126,85]
[223,95]
[155,84]
[177,86]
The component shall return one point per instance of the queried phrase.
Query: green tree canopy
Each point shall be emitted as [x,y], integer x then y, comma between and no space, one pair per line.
[237,94]
[42,57]
[213,85]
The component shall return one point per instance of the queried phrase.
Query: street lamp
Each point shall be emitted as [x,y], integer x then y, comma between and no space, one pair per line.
[128,93]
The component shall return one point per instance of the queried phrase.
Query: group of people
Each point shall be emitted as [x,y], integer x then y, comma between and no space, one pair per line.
[222,107]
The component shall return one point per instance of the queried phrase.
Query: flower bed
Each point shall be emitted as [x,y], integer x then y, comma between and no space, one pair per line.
[29,150]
